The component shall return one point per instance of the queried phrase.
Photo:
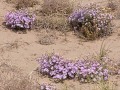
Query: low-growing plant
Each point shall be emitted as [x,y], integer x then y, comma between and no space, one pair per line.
[53,15]
[52,22]
[10,1]
[113,66]
[54,66]
[47,37]
[107,86]
[45,86]
[112,5]
[91,22]
[23,3]
[57,67]
[55,6]
[103,51]
[47,40]
[91,71]
[19,20]
[11,78]
[118,10]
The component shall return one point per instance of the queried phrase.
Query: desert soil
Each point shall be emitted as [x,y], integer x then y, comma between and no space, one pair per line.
[22,50]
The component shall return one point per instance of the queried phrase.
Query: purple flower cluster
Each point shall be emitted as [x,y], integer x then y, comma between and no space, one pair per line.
[19,20]
[113,66]
[47,87]
[91,71]
[57,67]
[92,18]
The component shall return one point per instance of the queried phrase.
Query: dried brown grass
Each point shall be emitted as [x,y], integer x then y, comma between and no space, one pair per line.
[54,22]
[11,78]
[23,3]
[57,6]
[47,37]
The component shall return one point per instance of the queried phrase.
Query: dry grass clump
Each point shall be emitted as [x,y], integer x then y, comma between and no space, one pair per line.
[118,10]
[54,15]
[52,22]
[10,1]
[112,4]
[23,3]
[12,79]
[56,6]
[47,40]
[47,37]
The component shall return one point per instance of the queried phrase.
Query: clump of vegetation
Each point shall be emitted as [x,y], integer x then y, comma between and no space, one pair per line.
[118,10]
[56,6]
[19,20]
[10,1]
[47,37]
[91,22]
[45,86]
[112,5]
[11,78]
[113,66]
[57,67]
[54,15]
[23,3]
[52,22]
[46,40]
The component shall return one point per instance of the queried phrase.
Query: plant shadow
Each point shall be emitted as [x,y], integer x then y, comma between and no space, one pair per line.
[16,29]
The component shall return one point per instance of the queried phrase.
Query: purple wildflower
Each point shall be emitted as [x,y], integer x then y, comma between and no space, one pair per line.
[19,19]
[58,68]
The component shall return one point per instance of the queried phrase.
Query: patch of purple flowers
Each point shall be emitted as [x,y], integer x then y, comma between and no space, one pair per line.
[47,87]
[91,71]
[93,19]
[58,68]
[19,20]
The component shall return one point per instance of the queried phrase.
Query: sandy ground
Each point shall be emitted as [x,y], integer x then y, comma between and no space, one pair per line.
[22,50]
